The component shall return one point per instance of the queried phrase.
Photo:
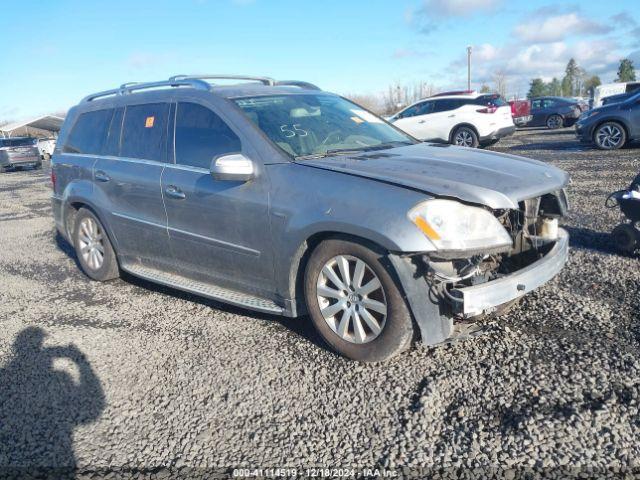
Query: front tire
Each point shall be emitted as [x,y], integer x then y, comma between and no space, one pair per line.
[465,137]
[626,238]
[93,248]
[354,302]
[610,136]
[554,122]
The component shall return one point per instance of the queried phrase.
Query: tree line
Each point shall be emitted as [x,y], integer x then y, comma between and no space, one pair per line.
[576,82]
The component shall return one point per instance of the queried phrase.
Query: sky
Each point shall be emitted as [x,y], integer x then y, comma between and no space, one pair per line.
[57,51]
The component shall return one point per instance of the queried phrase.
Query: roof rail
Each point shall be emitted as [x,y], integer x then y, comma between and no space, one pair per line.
[265,80]
[127,88]
[297,83]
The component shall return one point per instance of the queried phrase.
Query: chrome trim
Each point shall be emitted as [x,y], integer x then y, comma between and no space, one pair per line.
[479,298]
[135,219]
[215,241]
[128,88]
[188,168]
[264,80]
[120,159]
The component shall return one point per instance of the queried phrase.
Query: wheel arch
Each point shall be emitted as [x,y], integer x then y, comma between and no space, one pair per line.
[301,258]
[609,120]
[70,213]
[463,124]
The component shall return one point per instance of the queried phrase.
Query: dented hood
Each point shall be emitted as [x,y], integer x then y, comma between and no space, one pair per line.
[477,176]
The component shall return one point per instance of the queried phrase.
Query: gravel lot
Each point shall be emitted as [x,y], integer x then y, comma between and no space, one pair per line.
[157,378]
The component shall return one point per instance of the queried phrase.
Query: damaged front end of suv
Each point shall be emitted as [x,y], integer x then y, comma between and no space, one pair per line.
[485,260]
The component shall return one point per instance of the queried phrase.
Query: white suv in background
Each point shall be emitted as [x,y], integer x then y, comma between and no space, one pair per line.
[468,119]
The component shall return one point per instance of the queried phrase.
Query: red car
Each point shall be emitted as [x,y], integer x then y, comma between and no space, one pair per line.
[521,112]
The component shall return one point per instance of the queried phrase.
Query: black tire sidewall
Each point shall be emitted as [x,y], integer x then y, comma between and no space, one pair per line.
[398,331]
[109,268]
[626,238]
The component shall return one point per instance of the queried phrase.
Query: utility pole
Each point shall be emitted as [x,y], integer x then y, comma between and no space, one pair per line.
[469,67]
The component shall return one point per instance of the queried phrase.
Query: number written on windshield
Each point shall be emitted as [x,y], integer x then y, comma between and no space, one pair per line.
[293,131]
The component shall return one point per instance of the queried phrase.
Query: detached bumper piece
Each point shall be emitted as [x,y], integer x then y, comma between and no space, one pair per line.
[486,296]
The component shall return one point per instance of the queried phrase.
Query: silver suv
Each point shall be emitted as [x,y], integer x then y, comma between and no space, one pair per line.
[282,198]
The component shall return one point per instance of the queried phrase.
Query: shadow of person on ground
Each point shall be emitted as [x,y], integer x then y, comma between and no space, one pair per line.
[40,406]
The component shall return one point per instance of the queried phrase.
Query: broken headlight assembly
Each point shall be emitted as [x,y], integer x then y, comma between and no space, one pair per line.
[452,225]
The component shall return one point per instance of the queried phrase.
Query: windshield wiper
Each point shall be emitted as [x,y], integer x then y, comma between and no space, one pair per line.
[369,148]
[347,151]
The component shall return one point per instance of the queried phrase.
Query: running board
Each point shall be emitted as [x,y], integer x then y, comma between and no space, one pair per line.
[206,290]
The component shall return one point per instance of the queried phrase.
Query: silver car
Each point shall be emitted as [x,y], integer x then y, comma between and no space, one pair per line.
[19,152]
[281,198]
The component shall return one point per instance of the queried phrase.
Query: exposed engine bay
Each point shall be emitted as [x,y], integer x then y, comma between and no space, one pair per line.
[533,228]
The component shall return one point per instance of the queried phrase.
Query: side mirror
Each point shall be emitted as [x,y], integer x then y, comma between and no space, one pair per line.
[233,167]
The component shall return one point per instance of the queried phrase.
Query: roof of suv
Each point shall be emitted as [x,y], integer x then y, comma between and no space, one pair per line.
[248,86]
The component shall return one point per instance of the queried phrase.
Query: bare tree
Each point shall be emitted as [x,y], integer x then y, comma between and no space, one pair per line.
[398,95]
[370,102]
[500,83]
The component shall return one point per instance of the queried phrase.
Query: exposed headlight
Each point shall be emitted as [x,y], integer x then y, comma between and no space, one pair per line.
[588,114]
[452,225]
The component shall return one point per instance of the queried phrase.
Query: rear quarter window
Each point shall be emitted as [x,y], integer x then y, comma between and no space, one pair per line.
[144,132]
[89,132]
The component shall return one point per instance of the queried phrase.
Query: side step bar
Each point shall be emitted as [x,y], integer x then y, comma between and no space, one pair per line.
[206,290]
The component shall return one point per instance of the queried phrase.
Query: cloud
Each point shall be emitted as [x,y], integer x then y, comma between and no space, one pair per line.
[456,8]
[430,15]
[543,27]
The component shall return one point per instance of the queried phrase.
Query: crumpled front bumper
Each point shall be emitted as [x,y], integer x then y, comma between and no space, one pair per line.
[477,299]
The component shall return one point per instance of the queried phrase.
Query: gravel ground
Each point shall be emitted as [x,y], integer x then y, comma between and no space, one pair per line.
[128,375]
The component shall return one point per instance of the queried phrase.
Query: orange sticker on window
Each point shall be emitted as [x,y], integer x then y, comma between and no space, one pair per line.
[149,122]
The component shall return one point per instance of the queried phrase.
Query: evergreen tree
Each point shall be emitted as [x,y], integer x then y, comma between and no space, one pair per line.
[570,82]
[626,72]
[554,87]
[537,88]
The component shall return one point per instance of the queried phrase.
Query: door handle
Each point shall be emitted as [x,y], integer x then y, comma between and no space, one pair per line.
[100,176]
[421,121]
[451,116]
[174,192]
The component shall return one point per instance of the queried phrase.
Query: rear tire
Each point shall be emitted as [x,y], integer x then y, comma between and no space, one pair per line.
[610,136]
[465,137]
[348,314]
[554,122]
[93,247]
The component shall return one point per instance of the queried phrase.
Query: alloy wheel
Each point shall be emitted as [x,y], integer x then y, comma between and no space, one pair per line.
[554,121]
[351,299]
[91,243]
[609,136]
[463,138]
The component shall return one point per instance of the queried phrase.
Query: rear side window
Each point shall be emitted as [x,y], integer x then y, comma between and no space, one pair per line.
[490,100]
[202,135]
[112,144]
[89,132]
[144,132]
[447,104]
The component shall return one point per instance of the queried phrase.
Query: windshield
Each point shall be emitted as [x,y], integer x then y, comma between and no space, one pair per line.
[319,124]
[16,142]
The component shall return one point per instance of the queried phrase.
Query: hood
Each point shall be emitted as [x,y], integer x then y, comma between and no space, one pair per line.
[476,176]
